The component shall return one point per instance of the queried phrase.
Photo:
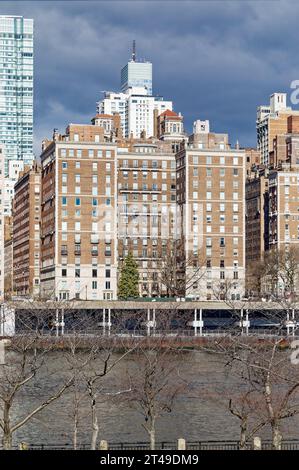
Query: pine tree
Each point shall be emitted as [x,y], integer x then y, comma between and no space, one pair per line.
[128,281]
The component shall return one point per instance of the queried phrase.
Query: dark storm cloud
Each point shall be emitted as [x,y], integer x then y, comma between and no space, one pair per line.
[217,60]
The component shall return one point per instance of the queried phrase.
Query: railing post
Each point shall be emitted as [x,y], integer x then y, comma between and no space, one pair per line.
[181,444]
[257,443]
[109,321]
[104,321]
[103,445]
[195,322]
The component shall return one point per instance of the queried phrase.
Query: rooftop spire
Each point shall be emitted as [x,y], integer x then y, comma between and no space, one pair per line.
[134,51]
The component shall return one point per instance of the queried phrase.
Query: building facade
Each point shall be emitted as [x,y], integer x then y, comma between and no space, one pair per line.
[8,257]
[78,218]
[16,93]
[272,120]
[211,204]
[137,74]
[257,237]
[1,222]
[146,209]
[26,233]
[137,110]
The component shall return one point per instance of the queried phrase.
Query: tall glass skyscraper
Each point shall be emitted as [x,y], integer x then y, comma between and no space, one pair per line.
[16,88]
[137,74]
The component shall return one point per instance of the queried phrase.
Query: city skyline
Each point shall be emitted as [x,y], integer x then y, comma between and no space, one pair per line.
[212,43]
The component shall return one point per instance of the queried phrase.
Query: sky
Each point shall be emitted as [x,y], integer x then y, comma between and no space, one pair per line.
[216,60]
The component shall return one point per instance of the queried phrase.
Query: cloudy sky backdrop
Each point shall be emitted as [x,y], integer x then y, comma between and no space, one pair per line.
[216,60]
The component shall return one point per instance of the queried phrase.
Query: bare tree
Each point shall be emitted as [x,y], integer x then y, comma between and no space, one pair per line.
[26,360]
[155,376]
[179,273]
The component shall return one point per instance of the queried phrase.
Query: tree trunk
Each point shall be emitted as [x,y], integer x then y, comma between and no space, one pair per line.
[7,434]
[95,427]
[7,440]
[243,434]
[276,437]
[75,431]
[152,434]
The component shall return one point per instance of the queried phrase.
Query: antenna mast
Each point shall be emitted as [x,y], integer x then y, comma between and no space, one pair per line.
[134,51]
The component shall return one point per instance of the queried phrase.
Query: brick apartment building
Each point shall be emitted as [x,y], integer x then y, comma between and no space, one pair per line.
[210,197]
[26,232]
[78,219]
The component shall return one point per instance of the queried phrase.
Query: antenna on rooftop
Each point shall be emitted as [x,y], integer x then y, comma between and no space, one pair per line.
[134,51]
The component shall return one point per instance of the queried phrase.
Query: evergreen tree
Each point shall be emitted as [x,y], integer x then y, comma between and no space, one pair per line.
[128,281]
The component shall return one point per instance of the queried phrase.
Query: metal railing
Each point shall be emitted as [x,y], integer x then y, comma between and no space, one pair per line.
[290,444]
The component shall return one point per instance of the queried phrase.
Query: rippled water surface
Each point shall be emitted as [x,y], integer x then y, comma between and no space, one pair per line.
[201,413]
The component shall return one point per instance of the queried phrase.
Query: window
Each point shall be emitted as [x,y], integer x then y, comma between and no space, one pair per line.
[77,178]
[94,285]
[90,153]
[209,160]
[78,165]
[64,226]
[108,153]
[77,272]
[64,272]
[222,241]
[107,284]
[195,160]
[236,160]
[64,201]
[64,165]
[209,171]
[77,226]
[94,273]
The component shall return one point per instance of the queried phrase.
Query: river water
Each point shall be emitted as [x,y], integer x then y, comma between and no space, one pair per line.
[200,413]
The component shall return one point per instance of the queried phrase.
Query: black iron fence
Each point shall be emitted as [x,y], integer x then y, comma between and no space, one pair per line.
[291,444]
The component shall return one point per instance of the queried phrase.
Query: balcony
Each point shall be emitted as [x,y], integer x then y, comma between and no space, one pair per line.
[140,190]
